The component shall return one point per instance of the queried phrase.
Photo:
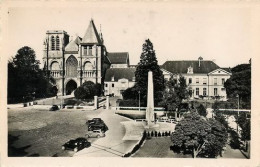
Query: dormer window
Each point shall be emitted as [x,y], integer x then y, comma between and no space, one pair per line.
[190,70]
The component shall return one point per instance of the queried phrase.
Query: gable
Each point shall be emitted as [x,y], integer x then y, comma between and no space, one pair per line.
[219,72]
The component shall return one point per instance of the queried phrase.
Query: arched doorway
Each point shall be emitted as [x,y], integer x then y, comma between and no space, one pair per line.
[70,87]
[71,66]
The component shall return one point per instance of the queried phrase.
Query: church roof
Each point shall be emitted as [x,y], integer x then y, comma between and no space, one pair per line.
[119,73]
[118,57]
[91,36]
[73,45]
[204,66]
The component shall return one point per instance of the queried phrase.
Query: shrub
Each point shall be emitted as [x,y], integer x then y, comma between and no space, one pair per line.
[201,110]
[87,90]
[130,93]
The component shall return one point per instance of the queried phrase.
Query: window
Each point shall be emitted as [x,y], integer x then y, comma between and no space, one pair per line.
[190,80]
[113,85]
[90,50]
[204,81]
[190,70]
[197,91]
[197,80]
[215,81]
[215,91]
[223,89]
[204,91]
[57,43]
[52,43]
[106,84]
[223,81]
[85,50]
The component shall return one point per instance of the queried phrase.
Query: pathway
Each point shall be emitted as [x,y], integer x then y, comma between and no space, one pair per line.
[113,144]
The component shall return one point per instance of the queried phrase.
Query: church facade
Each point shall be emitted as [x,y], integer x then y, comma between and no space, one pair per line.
[71,63]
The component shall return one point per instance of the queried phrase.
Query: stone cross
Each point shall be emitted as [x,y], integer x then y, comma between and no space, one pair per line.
[150,100]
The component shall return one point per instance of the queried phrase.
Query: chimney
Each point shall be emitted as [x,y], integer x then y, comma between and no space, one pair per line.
[200,59]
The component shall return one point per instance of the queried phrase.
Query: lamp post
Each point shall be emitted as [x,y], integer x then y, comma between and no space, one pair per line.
[46,43]
[237,110]
[139,99]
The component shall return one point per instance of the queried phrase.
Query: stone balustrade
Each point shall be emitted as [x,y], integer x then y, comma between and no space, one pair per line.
[56,73]
[89,73]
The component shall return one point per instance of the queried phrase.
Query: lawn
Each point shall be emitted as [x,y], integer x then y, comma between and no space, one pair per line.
[159,148]
[39,132]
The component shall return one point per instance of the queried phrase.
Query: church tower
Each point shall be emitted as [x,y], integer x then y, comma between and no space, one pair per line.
[72,63]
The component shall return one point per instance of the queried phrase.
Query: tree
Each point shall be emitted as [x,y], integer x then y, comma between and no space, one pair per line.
[148,62]
[201,110]
[174,94]
[171,101]
[130,93]
[240,83]
[87,90]
[245,124]
[220,118]
[201,137]
[25,79]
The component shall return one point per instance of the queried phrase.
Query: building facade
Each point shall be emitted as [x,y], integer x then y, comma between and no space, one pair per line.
[71,63]
[203,78]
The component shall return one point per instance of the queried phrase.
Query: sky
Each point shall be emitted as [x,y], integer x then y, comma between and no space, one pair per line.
[218,33]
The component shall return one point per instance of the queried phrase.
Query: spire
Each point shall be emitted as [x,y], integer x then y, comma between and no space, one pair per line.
[91,36]
[101,35]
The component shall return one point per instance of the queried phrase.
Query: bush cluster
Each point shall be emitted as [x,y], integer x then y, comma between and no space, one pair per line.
[158,134]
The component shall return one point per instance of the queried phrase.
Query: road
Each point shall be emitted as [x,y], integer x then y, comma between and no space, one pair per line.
[112,145]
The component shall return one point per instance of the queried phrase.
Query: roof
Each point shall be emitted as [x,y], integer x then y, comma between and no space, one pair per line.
[182,66]
[118,57]
[73,45]
[119,73]
[91,36]
[228,69]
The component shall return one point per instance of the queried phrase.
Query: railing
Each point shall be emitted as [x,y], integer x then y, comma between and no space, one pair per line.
[56,73]
[89,73]
[235,110]
[141,108]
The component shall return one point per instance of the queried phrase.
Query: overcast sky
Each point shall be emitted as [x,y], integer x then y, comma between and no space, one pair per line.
[178,32]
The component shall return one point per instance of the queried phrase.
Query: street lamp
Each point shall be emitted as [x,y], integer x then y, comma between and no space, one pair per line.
[237,110]
[46,43]
[139,99]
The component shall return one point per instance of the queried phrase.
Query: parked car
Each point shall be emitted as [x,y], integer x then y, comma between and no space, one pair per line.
[98,126]
[171,121]
[95,121]
[76,144]
[95,133]
[54,108]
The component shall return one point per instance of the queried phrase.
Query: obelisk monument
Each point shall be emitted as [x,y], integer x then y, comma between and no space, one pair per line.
[150,100]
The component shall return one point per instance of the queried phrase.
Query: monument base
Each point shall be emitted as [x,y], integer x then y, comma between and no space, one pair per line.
[151,126]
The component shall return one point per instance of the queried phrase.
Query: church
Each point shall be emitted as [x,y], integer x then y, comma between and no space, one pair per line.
[72,62]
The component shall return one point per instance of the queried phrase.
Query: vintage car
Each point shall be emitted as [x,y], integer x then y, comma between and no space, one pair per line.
[95,133]
[95,121]
[102,126]
[54,108]
[76,144]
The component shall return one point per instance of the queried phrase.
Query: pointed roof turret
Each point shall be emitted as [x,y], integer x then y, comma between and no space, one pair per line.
[91,36]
